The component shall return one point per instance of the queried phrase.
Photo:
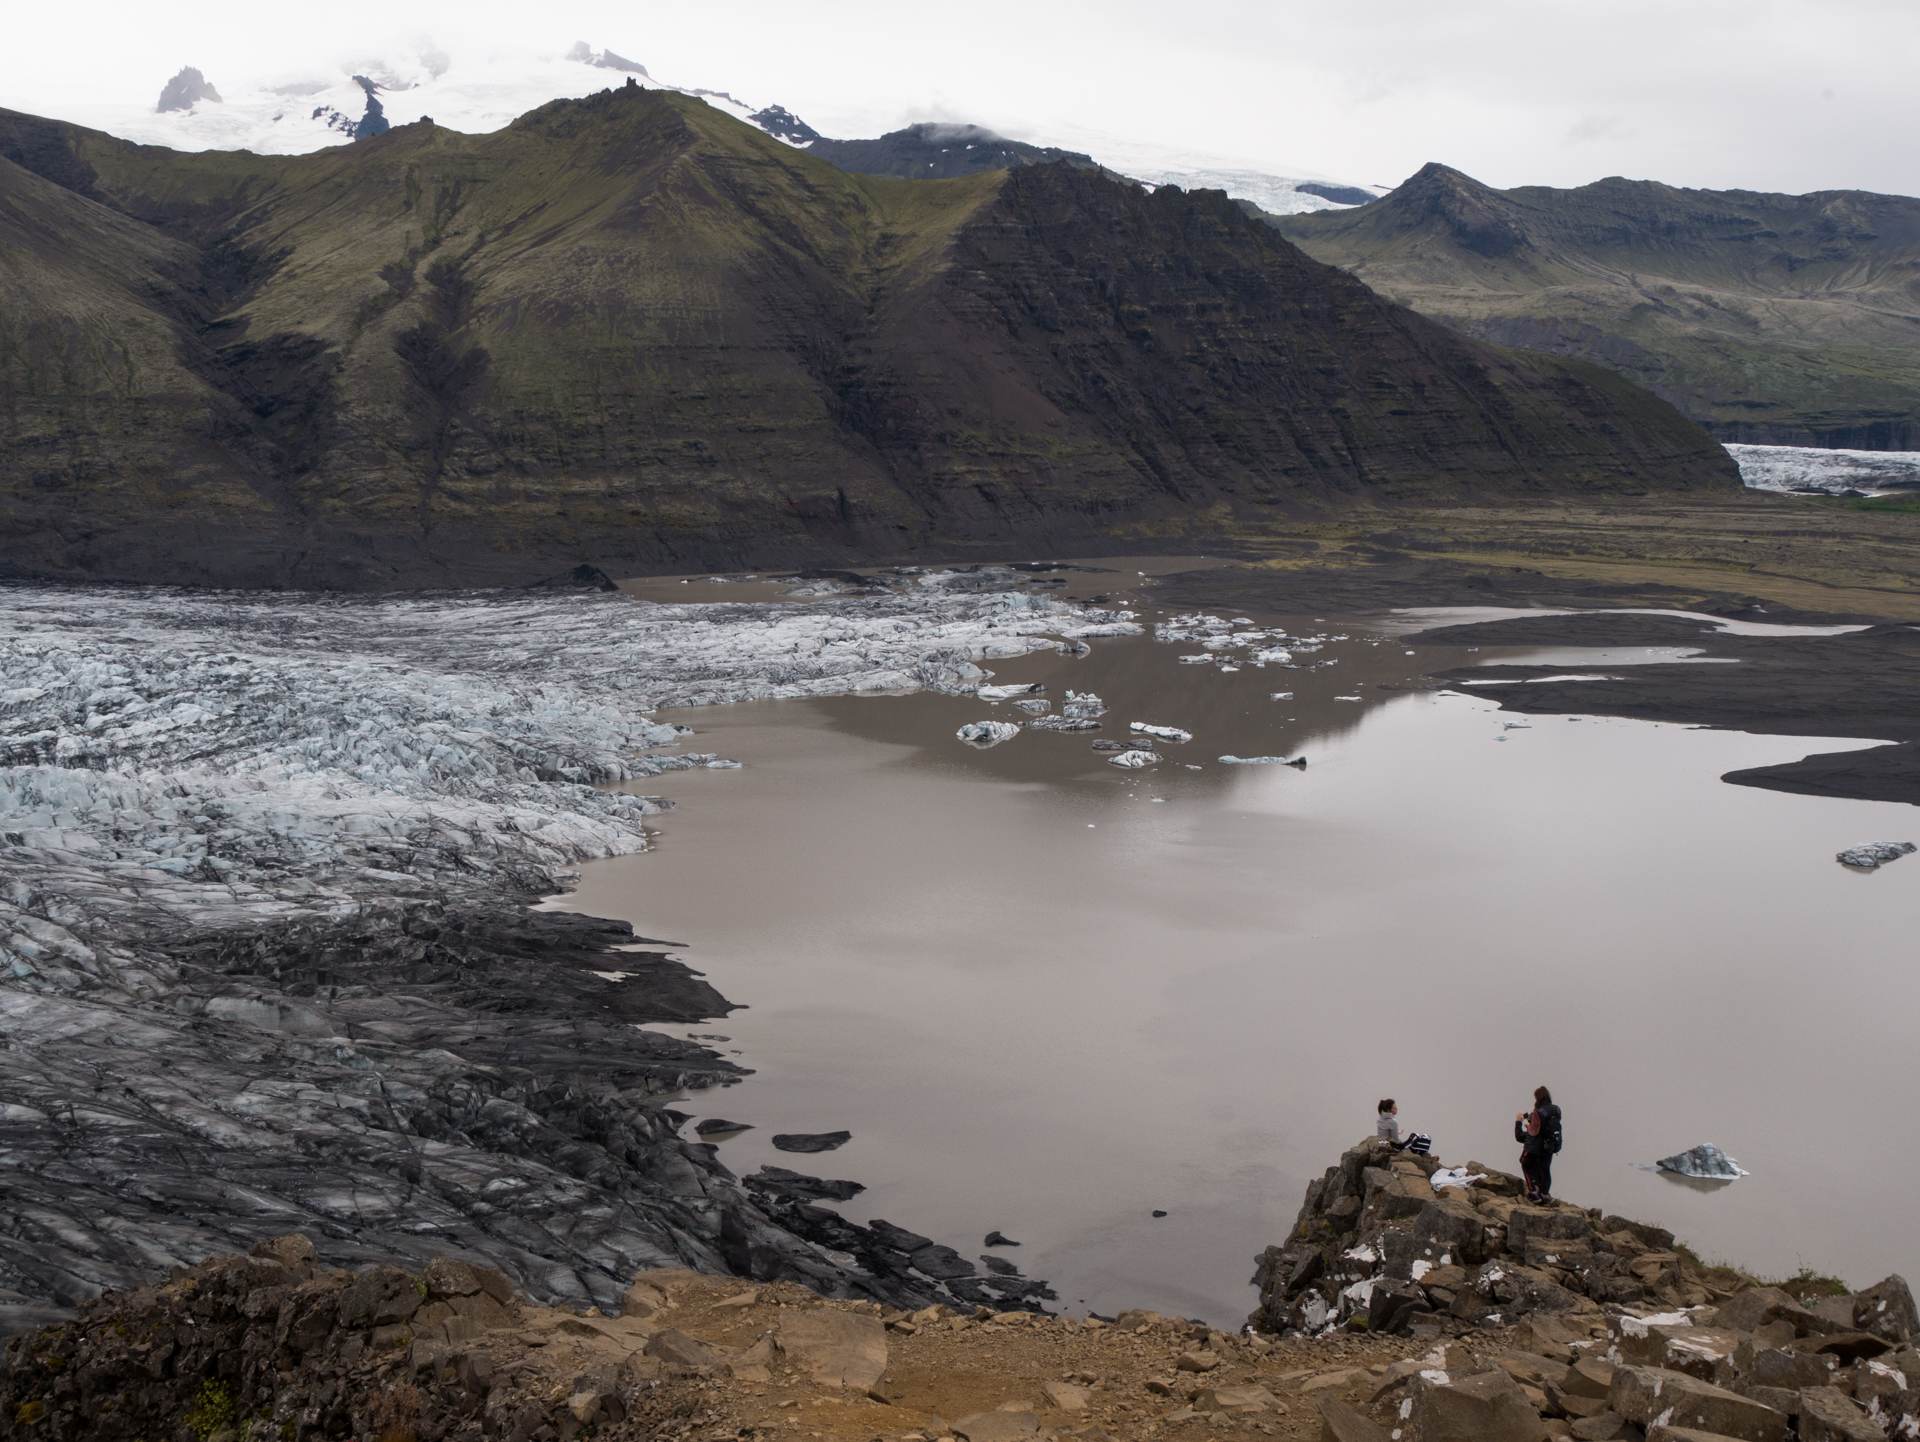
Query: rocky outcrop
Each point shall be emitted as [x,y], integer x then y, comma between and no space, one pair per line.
[1614,1331]
[1376,1242]
[939,151]
[186,90]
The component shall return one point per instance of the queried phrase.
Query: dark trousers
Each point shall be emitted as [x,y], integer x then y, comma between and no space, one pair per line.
[1537,1167]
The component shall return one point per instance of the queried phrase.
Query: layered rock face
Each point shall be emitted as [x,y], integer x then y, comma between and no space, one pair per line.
[1775,319]
[631,331]
[1619,1335]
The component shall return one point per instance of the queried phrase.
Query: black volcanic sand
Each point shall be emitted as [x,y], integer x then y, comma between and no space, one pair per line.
[1865,683]
[1387,582]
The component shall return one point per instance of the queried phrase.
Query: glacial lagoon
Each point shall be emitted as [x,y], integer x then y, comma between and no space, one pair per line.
[1052,997]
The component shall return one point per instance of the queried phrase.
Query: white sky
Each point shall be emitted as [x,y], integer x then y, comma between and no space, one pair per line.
[1785,95]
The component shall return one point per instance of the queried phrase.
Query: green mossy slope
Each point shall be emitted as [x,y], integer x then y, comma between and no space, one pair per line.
[633,331]
[1770,318]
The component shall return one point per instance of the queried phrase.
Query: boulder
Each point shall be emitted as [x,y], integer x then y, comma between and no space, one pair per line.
[1549,1336]
[1398,1194]
[997,1427]
[1066,1396]
[1533,1371]
[1658,1239]
[1517,1291]
[1754,1308]
[1843,1346]
[1234,1399]
[1701,1352]
[836,1349]
[380,1296]
[1887,1310]
[1340,1423]
[1606,1427]
[1392,1304]
[1589,1377]
[293,1250]
[1489,1407]
[1765,1366]
[1829,1415]
[1649,1395]
[680,1350]
[1547,1225]
[1451,1224]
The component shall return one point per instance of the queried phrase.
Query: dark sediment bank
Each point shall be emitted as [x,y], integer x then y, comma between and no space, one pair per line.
[433,1079]
[1865,683]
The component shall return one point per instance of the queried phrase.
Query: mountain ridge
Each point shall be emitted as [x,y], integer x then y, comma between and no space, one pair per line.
[1771,319]
[632,331]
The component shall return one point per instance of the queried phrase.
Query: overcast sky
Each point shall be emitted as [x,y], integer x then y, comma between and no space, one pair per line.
[1784,95]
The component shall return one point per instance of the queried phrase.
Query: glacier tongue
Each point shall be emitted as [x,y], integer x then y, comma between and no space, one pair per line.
[243,755]
[264,956]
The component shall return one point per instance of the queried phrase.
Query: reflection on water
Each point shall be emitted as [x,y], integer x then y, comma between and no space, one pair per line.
[1051,997]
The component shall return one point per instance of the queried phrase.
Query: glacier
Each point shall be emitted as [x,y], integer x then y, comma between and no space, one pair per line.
[266,957]
[1807,470]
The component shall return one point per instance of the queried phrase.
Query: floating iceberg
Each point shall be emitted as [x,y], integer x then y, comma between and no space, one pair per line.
[1255,761]
[1132,760]
[1165,733]
[987,733]
[1705,1160]
[1036,707]
[1084,703]
[1874,855]
[1062,723]
[1007,693]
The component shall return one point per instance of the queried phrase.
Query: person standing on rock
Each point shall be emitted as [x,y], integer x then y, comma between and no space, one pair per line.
[1538,1133]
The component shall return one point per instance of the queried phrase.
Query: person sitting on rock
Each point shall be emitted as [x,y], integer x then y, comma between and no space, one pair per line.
[1538,1133]
[1388,1126]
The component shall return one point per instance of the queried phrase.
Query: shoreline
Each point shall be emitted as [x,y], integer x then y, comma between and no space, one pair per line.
[255,993]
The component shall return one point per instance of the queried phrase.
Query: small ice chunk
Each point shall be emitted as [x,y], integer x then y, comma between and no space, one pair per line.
[1196,660]
[1253,761]
[1062,723]
[1036,707]
[1705,1160]
[987,733]
[1133,760]
[1165,733]
[1874,855]
[1346,698]
[1007,693]
[1281,696]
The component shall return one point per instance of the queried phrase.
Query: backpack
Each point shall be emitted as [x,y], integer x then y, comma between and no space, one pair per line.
[1554,1137]
[1420,1144]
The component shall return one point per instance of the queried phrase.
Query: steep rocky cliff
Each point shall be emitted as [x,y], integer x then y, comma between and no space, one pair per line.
[1770,318]
[632,331]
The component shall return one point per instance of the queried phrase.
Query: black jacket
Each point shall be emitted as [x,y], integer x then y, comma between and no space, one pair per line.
[1549,1122]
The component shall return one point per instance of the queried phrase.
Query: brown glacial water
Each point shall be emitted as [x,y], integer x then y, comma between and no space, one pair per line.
[1052,997]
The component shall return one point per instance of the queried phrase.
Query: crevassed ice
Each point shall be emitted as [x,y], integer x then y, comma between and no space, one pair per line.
[175,760]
